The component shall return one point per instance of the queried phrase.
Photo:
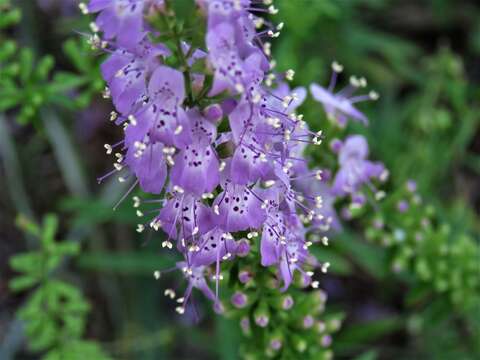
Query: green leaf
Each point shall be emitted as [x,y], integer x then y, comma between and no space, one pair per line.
[23,282]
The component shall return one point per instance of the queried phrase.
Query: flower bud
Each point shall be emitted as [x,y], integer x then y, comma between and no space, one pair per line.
[213,113]
[244,276]
[243,248]
[239,300]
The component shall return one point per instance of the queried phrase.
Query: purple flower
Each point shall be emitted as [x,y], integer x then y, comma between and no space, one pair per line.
[340,106]
[355,170]
[196,168]
[120,19]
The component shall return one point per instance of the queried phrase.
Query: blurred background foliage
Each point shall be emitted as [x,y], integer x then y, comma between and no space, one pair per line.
[401,298]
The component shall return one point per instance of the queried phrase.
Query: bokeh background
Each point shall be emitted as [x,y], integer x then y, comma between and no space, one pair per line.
[422,56]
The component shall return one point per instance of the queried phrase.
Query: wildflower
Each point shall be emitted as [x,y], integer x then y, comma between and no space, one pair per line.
[340,106]
[355,170]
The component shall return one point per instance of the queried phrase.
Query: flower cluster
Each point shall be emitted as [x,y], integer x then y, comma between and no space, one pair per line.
[223,146]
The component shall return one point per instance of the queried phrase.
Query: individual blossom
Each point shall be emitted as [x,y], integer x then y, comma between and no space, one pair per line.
[340,106]
[355,170]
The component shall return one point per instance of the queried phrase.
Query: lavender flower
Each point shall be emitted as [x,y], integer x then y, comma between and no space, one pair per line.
[355,170]
[340,106]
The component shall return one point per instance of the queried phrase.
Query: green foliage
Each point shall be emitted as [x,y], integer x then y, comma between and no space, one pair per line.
[443,261]
[55,311]
[29,82]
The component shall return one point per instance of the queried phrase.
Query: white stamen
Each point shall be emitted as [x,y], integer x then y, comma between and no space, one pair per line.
[83,8]
[337,67]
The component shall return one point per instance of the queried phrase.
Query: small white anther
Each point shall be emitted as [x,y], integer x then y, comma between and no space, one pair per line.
[83,8]
[157,274]
[373,95]
[337,67]
[140,228]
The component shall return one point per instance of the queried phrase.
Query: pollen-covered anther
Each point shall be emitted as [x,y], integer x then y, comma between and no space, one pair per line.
[263,157]
[167,244]
[155,224]
[269,79]
[252,234]
[272,34]
[283,240]
[307,245]
[289,74]
[269,183]
[286,101]
[193,248]
[258,22]
[264,204]
[274,122]
[178,130]
[337,67]
[216,210]
[139,213]
[293,260]
[220,277]
[113,115]
[310,273]
[121,179]
[354,81]
[379,195]
[180,310]
[140,228]
[287,135]
[222,166]
[178,189]
[384,175]
[94,27]
[157,274]
[318,175]
[170,293]
[136,201]
[119,157]
[318,202]
[272,10]
[132,120]
[170,160]
[240,88]
[207,196]
[109,148]
[106,93]
[373,95]
[180,300]
[256,98]
[195,230]
[280,26]
[324,267]
[325,241]
[227,256]
[315,284]
[267,48]
[117,166]
[83,8]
